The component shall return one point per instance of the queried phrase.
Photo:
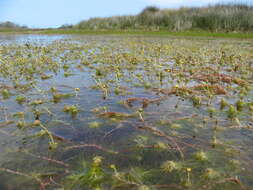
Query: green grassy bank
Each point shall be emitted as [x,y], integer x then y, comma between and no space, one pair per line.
[131,32]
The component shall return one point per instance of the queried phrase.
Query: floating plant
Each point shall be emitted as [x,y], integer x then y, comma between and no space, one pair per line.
[20,99]
[72,110]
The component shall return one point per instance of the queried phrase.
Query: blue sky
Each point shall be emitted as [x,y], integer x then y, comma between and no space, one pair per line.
[54,13]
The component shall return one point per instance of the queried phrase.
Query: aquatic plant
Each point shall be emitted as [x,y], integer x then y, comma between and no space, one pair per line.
[152,114]
[211,174]
[223,103]
[72,110]
[94,124]
[92,177]
[201,156]
[232,112]
[169,166]
[20,99]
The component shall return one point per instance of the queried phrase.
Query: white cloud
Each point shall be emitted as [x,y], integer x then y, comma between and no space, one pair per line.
[178,3]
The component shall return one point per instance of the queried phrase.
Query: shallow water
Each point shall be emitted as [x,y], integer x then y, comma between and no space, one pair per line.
[98,74]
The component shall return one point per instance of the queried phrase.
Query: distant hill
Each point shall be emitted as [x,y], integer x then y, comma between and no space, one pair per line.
[215,18]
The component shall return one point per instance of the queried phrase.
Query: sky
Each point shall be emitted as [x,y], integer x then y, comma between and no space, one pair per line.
[54,13]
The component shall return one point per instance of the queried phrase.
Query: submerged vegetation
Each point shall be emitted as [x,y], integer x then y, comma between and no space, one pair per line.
[108,113]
